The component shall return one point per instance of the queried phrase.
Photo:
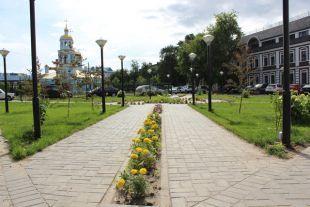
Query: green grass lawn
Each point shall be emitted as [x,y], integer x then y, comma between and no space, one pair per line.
[16,126]
[256,123]
[130,98]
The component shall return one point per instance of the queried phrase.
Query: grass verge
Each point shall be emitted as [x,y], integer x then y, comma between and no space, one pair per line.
[255,124]
[16,126]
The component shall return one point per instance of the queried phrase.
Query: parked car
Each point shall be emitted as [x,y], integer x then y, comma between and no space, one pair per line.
[182,89]
[259,88]
[305,89]
[203,89]
[144,89]
[174,90]
[11,96]
[231,89]
[272,88]
[109,91]
[295,87]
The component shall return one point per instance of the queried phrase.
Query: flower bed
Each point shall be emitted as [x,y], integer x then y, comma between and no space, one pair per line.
[139,180]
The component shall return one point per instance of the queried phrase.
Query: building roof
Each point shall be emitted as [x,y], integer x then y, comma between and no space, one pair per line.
[295,25]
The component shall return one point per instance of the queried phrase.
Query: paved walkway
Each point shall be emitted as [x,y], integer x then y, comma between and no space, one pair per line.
[209,166]
[76,171]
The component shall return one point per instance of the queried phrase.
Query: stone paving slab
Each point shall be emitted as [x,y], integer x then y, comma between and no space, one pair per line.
[76,171]
[209,166]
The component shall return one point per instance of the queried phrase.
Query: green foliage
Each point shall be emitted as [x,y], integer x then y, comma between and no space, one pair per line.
[245,93]
[43,110]
[276,100]
[277,149]
[300,108]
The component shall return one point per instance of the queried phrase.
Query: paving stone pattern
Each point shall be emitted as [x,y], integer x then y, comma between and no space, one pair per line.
[76,171]
[209,166]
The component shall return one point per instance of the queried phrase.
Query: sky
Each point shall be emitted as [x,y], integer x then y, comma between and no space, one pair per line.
[137,29]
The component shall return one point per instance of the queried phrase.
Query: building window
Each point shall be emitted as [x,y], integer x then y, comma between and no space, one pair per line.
[256,62]
[291,78]
[266,79]
[303,54]
[292,59]
[272,59]
[303,33]
[281,58]
[280,39]
[292,36]
[265,61]
[272,79]
[304,77]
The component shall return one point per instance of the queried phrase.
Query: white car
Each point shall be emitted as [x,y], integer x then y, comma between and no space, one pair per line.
[272,88]
[11,96]
[144,89]
[174,90]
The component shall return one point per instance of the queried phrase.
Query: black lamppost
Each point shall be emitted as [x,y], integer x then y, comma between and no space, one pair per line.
[222,81]
[192,57]
[208,39]
[4,53]
[122,57]
[101,44]
[150,90]
[286,139]
[35,99]
[169,83]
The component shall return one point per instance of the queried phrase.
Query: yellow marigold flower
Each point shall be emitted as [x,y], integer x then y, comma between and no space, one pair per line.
[154,126]
[134,156]
[147,122]
[120,184]
[145,152]
[133,171]
[153,122]
[147,140]
[143,171]
[136,140]
[141,131]
[155,138]
[139,149]
[151,131]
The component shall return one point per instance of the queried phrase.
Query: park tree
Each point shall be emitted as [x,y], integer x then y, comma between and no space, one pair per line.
[134,74]
[168,65]
[227,35]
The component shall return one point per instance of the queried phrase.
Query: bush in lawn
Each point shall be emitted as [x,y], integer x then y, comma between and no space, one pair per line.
[300,107]
[277,149]
[245,94]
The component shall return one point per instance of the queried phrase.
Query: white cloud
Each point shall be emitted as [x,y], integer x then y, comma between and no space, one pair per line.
[135,28]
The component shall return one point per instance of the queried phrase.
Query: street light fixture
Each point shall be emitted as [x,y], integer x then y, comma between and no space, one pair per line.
[35,99]
[122,57]
[208,40]
[222,73]
[101,44]
[4,53]
[192,57]
[150,91]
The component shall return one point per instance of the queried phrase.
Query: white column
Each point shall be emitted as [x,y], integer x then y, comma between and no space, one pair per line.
[260,68]
[297,56]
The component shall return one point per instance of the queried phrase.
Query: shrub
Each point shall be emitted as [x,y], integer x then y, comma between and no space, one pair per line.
[277,149]
[245,94]
[300,107]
